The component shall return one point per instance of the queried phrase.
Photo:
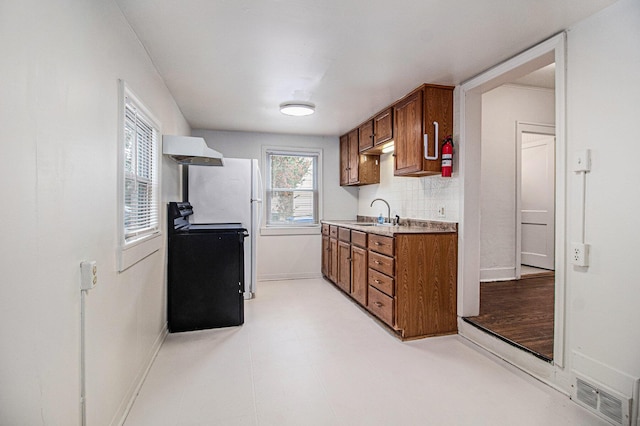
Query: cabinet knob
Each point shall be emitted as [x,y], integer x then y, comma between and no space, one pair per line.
[377,262]
[378,304]
[376,281]
[377,243]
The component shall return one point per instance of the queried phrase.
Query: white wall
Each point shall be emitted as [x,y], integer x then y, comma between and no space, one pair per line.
[60,62]
[501,109]
[291,256]
[599,337]
[410,197]
[603,91]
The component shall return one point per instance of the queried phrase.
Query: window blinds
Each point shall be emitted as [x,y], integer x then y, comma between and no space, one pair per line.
[140,174]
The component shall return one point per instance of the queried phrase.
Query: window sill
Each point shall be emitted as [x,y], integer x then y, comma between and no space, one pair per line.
[129,256]
[291,230]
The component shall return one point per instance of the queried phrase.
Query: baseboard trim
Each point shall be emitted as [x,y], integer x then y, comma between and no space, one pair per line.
[130,397]
[291,276]
[497,274]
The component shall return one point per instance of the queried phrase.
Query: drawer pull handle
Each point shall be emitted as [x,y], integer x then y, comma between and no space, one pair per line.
[376,281]
[378,304]
[377,262]
[377,243]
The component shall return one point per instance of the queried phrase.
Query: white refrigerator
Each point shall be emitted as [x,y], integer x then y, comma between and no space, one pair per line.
[230,194]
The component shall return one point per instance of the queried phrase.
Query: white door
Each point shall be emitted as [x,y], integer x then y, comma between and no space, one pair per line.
[537,198]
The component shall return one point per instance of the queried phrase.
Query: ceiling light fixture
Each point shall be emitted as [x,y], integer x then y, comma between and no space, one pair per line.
[297,108]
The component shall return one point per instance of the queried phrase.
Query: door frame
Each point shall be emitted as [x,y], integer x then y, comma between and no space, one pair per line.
[524,127]
[470,118]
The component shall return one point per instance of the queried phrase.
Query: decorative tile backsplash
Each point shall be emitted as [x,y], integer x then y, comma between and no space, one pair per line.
[410,197]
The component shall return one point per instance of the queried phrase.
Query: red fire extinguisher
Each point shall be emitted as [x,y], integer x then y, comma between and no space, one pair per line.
[447,156]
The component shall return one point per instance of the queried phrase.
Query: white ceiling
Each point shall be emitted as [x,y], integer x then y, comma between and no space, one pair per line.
[544,77]
[230,63]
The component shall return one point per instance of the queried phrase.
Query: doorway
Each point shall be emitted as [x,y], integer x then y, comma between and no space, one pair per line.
[517,238]
[471,154]
[535,199]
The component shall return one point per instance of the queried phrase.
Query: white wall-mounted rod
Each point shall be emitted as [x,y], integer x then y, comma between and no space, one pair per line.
[83,405]
[435,143]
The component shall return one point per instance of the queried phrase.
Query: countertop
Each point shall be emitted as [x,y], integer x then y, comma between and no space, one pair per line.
[408,227]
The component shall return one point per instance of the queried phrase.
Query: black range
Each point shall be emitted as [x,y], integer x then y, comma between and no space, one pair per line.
[205,272]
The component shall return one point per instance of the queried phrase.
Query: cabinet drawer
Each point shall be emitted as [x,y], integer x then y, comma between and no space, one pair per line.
[381,263]
[344,234]
[325,229]
[359,239]
[381,244]
[380,305]
[333,231]
[381,281]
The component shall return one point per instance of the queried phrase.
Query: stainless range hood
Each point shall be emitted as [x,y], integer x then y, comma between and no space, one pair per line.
[190,150]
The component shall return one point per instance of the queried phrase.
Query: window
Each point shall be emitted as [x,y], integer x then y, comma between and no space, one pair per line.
[139,207]
[292,187]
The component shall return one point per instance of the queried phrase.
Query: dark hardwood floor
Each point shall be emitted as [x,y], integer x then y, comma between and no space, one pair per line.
[519,312]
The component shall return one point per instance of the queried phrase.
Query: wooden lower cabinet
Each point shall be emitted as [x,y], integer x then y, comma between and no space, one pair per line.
[345,263]
[333,259]
[408,281]
[425,284]
[325,255]
[344,266]
[359,267]
[381,305]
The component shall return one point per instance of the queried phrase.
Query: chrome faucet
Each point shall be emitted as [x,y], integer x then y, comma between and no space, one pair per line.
[388,208]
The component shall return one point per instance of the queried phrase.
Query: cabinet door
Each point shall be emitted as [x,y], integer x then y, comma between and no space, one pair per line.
[344,160]
[383,127]
[354,156]
[325,255]
[333,259]
[365,136]
[408,139]
[438,108]
[359,274]
[344,266]
[426,284]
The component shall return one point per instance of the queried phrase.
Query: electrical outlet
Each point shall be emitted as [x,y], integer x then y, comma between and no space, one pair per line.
[582,161]
[88,274]
[441,211]
[580,254]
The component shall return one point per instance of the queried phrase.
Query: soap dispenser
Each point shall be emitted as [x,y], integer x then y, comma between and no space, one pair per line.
[380,219]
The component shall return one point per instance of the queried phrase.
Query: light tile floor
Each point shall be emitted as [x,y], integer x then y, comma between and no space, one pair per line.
[307,355]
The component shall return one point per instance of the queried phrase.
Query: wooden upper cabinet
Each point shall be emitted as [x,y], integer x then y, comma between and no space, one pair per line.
[421,121]
[409,130]
[344,160]
[383,127]
[354,153]
[365,136]
[376,132]
[356,168]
